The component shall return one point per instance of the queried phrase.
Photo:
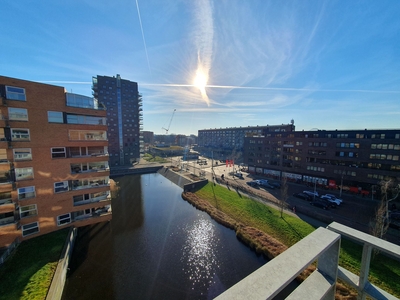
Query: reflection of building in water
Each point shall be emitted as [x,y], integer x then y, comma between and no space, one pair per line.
[124,117]
[53,160]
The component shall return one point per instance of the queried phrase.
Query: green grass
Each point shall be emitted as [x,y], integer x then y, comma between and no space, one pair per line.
[150,158]
[28,273]
[384,272]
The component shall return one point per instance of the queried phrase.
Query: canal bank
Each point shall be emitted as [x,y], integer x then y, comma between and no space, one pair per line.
[156,247]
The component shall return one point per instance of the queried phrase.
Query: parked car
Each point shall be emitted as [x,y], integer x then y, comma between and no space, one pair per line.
[238,175]
[319,204]
[394,220]
[333,197]
[252,183]
[302,196]
[328,202]
[312,194]
[331,200]
[265,183]
[275,184]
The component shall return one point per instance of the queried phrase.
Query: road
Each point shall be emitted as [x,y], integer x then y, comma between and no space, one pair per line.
[355,211]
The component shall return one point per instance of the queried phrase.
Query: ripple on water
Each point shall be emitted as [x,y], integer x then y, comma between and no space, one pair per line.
[199,256]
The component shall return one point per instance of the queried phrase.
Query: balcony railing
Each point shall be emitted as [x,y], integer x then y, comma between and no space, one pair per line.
[322,245]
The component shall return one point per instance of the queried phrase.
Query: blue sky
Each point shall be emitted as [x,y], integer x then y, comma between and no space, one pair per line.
[325,64]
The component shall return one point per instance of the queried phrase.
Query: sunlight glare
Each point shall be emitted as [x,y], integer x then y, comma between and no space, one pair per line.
[200,82]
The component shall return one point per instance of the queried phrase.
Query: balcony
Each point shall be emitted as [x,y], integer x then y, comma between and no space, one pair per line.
[92,216]
[7,219]
[323,246]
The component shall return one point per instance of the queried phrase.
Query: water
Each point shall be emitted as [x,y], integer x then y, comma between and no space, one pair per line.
[157,246]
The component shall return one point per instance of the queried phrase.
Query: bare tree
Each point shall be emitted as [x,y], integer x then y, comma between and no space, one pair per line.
[381,221]
[284,195]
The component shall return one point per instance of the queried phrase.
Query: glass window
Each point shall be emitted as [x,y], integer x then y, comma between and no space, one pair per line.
[17,114]
[29,229]
[80,135]
[22,154]
[61,186]
[64,219]
[5,198]
[81,119]
[28,211]
[58,152]
[55,117]
[15,93]
[26,193]
[23,173]
[18,134]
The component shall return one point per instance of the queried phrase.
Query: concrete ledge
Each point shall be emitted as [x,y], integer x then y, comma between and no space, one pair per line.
[373,291]
[57,284]
[316,286]
[273,277]
[365,238]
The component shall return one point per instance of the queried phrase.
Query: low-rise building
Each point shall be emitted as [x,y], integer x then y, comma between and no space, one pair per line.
[354,160]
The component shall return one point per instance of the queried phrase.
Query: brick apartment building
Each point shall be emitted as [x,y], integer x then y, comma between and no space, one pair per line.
[228,143]
[124,118]
[53,160]
[353,160]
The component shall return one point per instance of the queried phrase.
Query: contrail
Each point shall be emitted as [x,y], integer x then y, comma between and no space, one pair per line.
[268,88]
[144,41]
[235,87]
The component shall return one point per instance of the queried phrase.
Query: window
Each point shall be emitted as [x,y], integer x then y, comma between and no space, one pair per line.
[61,186]
[18,134]
[58,152]
[79,135]
[55,117]
[23,173]
[29,229]
[64,219]
[22,154]
[81,119]
[5,198]
[15,93]
[17,114]
[26,193]
[28,211]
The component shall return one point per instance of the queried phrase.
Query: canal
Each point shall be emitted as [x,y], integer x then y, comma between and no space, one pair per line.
[157,246]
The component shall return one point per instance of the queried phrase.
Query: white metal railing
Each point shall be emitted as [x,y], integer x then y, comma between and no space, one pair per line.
[322,245]
[361,283]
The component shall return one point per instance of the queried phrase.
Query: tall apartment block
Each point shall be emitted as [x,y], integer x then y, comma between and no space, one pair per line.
[54,168]
[124,118]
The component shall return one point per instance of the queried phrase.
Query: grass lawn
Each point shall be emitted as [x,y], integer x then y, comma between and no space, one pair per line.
[150,158]
[28,273]
[384,272]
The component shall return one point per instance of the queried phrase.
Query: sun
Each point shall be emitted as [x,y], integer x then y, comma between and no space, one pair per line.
[200,81]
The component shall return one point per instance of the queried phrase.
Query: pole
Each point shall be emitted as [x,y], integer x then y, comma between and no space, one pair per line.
[341,186]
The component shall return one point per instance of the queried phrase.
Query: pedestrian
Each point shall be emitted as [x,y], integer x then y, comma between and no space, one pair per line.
[294,209]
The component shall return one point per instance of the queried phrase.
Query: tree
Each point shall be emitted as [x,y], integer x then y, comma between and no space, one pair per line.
[381,219]
[284,195]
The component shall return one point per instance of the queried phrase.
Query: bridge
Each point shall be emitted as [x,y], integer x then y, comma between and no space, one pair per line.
[323,246]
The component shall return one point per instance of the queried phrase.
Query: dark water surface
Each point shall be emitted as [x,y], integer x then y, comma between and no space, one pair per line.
[157,246]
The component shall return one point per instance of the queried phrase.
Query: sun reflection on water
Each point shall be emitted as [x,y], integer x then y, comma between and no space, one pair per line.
[199,255]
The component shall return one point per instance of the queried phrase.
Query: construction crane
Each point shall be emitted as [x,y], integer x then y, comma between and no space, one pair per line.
[167,129]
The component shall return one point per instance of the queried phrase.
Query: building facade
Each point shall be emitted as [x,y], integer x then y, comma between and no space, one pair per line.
[225,143]
[354,160]
[124,118]
[53,160]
